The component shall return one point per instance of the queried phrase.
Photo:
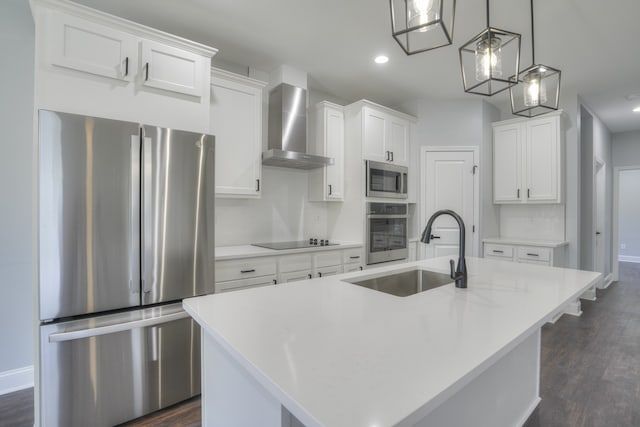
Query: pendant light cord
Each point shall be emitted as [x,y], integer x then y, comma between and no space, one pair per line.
[533,45]
[488,13]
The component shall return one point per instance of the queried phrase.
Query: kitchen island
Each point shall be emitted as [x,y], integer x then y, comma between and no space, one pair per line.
[325,352]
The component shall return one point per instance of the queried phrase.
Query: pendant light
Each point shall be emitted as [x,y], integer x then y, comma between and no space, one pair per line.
[422,25]
[490,60]
[539,92]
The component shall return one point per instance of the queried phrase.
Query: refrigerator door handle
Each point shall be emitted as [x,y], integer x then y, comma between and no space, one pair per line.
[118,327]
[134,220]
[145,226]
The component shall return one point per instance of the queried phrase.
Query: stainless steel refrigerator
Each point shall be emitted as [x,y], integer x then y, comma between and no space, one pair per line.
[125,233]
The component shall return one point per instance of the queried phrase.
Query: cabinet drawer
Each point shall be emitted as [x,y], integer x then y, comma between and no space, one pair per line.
[351,256]
[244,268]
[350,268]
[256,282]
[502,251]
[327,259]
[294,263]
[329,271]
[295,276]
[534,254]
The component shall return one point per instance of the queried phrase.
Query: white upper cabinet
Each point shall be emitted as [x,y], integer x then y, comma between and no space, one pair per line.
[236,123]
[385,135]
[92,48]
[507,163]
[89,62]
[169,68]
[327,133]
[527,160]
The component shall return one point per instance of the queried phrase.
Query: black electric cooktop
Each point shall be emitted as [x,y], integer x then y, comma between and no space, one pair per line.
[311,243]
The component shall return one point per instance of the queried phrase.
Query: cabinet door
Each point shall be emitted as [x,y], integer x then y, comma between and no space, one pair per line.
[374,144]
[236,122]
[398,140]
[542,161]
[171,69]
[507,163]
[92,48]
[334,134]
[294,276]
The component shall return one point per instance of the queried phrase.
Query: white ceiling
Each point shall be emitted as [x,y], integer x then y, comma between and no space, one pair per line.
[593,42]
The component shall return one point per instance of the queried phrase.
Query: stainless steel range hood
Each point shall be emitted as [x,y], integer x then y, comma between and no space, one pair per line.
[288,130]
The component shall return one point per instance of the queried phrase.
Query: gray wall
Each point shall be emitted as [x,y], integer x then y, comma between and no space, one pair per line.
[16,122]
[629,212]
[626,149]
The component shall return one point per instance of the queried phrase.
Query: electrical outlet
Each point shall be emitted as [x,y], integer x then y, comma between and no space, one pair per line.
[623,246]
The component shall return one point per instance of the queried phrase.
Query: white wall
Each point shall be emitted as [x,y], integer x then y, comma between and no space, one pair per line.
[625,149]
[629,212]
[16,117]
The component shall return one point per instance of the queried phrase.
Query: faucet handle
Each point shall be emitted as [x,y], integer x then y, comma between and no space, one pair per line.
[452,263]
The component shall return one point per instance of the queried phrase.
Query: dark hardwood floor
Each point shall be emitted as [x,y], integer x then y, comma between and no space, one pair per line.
[590,369]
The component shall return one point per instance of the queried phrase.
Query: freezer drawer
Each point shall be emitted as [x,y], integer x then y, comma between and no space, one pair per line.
[107,370]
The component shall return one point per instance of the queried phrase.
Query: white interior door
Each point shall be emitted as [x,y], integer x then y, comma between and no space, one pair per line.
[448,184]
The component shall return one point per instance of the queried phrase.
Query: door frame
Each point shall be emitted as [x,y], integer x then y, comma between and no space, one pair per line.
[615,267]
[475,247]
[599,167]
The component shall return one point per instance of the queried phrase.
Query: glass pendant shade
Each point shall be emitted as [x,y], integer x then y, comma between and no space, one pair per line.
[489,60]
[537,93]
[422,25]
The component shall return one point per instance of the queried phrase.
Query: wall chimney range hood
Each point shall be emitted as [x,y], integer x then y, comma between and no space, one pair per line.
[288,130]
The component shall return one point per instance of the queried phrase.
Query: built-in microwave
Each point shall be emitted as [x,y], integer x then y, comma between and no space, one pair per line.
[385,180]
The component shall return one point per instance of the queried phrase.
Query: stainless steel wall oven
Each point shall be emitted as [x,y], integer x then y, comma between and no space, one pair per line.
[386,232]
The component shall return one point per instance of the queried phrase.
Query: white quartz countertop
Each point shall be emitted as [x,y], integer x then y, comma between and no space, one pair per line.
[337,354]
[250,251]
[527,242]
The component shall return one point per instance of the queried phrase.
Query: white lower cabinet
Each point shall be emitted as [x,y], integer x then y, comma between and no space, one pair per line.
[551,256]
[292,268]
[243,273]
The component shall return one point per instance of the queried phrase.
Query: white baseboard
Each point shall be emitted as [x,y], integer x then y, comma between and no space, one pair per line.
[16,379]
[607,281]
[629,258]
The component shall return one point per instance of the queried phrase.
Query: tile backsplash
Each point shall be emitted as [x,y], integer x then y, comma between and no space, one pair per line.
[541,222]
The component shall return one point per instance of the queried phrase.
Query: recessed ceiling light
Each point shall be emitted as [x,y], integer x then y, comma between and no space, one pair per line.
[381,59]
[636,110]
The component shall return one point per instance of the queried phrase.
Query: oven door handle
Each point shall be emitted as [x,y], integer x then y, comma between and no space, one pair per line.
[384,216]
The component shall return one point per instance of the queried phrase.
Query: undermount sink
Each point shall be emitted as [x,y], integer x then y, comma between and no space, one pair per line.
[404,283]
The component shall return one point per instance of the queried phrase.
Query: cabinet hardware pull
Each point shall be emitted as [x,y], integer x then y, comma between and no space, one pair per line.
[354,257]
[329,189]
[387,158]
[533,254]
[253,270]
[275,282]
[518,193]
[434,237]
[126,66]
[360,268]
[310,276]
[392,156]
[146,73]
[495,251]
[528,193]
[319,274]
[257,185]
